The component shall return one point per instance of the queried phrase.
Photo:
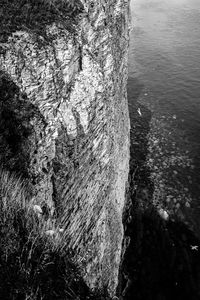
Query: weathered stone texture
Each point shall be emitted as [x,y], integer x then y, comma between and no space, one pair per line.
[79,139]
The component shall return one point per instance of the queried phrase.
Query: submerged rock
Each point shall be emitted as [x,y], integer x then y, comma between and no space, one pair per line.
[163,214]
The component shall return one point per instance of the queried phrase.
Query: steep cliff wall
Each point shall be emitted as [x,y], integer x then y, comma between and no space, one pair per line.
[64,121]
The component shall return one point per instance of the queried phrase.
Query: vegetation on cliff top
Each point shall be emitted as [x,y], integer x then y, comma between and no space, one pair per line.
[34,15]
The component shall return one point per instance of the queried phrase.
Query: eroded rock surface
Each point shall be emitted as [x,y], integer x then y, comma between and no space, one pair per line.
[65,99]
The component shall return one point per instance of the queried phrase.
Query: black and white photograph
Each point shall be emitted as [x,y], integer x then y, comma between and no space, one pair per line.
[99,149]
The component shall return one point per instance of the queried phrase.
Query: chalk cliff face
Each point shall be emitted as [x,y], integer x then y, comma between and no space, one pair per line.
[64,124]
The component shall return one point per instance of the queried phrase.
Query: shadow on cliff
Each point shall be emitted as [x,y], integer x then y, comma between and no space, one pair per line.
[31,266]
[162,258]
[21,127]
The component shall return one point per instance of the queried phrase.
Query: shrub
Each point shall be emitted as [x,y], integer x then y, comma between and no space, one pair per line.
[34,15]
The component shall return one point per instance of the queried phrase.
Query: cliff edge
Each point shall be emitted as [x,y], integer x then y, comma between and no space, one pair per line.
[64,123]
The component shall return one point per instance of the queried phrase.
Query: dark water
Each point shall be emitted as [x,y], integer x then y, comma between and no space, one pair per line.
[164,78]
[162,223]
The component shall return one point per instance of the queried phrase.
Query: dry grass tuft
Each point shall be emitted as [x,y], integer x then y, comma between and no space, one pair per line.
[32,266]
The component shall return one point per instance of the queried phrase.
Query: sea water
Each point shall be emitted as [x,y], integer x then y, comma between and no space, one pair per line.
[164,93]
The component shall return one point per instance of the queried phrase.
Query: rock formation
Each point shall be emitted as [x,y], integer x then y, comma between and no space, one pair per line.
[64,123]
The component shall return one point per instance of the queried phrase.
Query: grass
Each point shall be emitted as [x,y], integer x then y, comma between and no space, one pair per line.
[32,264]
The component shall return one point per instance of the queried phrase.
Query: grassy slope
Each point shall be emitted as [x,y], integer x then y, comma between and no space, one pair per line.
[32,264]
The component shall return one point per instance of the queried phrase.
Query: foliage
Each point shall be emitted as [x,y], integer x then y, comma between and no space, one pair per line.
[32,266]
[34,15]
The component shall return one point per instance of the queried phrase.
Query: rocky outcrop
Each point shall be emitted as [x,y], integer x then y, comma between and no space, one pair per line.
[65,124]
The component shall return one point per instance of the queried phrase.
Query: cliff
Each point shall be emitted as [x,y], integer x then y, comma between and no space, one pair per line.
[64,123]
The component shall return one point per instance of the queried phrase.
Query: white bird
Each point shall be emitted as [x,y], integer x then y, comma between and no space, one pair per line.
[194,248]
[139,111]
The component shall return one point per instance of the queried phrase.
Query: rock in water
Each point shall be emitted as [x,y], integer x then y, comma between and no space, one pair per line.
[163,214]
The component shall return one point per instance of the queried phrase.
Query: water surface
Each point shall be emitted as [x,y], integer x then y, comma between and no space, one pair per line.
[164,82]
